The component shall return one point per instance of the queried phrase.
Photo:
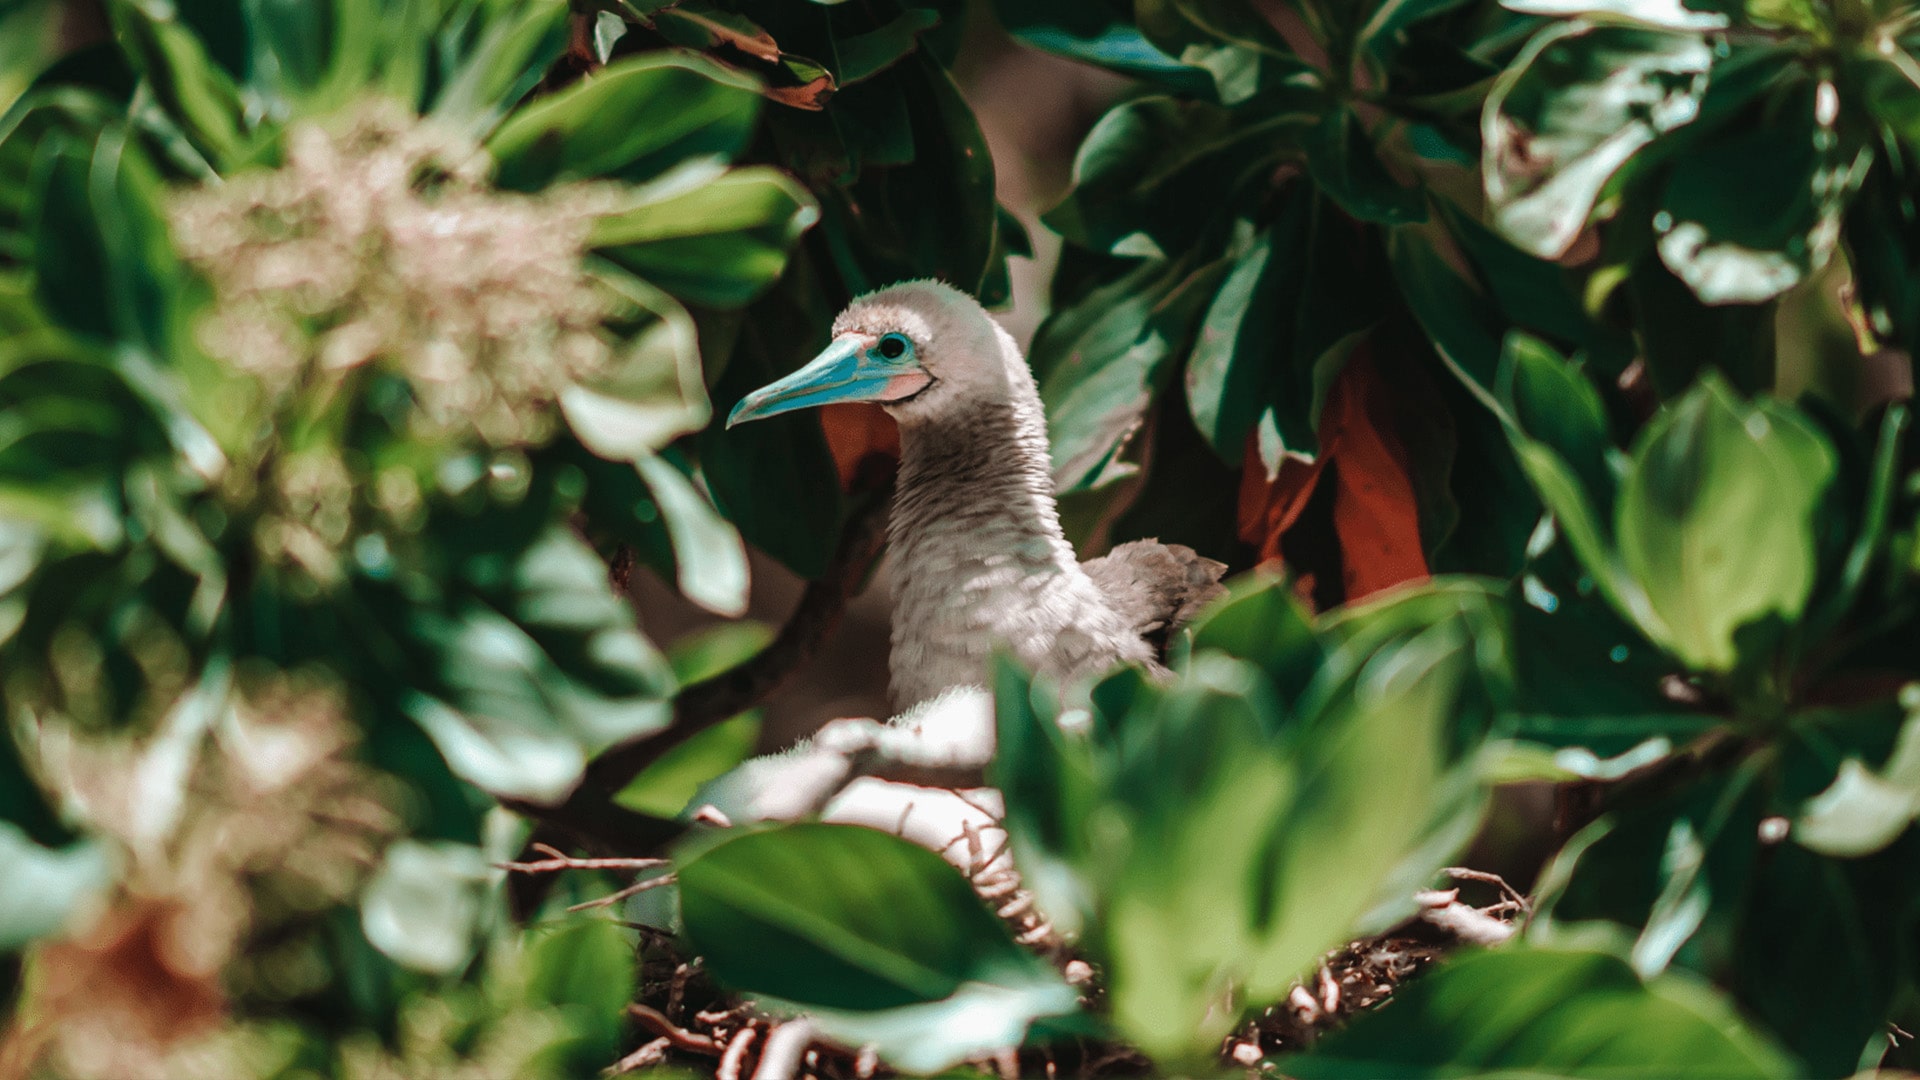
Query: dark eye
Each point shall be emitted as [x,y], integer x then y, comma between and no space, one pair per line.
[894,346]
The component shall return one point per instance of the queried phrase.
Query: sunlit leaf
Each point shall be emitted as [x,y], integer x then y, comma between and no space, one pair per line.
[876,937]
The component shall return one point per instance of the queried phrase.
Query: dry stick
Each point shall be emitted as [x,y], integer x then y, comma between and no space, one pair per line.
[652,1053]
[655,1021]
[615,897]
[1462,873]
[780,1057]
[560,860]
[735,1058]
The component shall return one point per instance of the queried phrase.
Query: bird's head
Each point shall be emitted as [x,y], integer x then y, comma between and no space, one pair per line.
[919,349]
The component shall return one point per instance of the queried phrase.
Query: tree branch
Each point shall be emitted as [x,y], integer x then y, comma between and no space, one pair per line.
[749,682]
[589,817]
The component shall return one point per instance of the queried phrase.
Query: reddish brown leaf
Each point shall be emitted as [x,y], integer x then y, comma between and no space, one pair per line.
[1375,514]
[811,96]
[856,431]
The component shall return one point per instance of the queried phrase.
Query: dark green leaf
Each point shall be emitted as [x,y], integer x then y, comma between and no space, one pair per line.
[1107,359]
[718,243]
[635,120]
[1095,34]
[1577,104]
[1262,621]
[1345,165]
[880,940]
[1541,1012]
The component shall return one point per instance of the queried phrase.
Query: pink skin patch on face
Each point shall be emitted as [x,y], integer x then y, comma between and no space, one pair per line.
[905,386]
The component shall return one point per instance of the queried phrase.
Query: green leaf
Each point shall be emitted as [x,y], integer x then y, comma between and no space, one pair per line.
[1748,216]
[710,562]
[1553,403]
[1578,103]
[654,394]
[1544,1012]
[1155,172]
[539,670]
[1464,326]
[636,119]
[719,244]
[1231,373]
[1827,986]
[665,787]
[486,55]
[586,969]
[861,56]
[70,260]
[880,940]
[1251,846]
[1095,34]
[933,214]
[1260,620]
[1716,518]
[195,91]
[1110,356]
[423,907]
[1864,809]
[1343,161]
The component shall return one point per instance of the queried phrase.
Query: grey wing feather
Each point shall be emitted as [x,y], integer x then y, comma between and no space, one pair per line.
[1156,587]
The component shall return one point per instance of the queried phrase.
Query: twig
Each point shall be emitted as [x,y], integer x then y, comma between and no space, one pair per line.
[655,1021]
[735,1057]
[786,1043]
[615,897]
[1462,873]
[560,860]
[1442,908]
[652,1053]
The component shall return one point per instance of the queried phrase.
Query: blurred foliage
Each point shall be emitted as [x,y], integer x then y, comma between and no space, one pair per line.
[1557,353]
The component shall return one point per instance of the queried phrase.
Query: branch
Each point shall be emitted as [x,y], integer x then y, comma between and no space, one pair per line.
[746,684]
[591,818]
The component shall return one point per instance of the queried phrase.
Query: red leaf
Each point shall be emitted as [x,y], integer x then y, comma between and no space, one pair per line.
[1376,517]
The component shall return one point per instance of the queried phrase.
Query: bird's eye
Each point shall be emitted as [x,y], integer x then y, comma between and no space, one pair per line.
[894,346]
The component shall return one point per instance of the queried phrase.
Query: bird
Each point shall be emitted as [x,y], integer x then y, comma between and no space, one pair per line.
[981,564]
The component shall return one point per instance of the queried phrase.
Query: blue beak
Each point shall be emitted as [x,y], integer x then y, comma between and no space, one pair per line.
[849,370]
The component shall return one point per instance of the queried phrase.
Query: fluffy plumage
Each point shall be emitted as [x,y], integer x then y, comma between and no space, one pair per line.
[980,562]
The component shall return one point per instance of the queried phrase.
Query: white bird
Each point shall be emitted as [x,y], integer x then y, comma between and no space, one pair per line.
[980,562]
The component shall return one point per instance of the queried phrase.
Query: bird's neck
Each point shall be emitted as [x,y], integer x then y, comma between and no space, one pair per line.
[979,560]
[979,485]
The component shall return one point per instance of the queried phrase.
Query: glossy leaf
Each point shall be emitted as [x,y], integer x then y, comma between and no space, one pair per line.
[1733,240]
[1544,1012]
[654,394]
[1577,104]
[1715,520]
[719,243]
[873,935]
[696,110]
[1111,360]
[710,562]
[1863,810]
